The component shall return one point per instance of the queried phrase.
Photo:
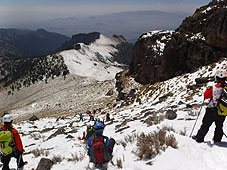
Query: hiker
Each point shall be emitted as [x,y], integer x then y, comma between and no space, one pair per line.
[13,147]
[213,93]
[100,148]
[90,132]
[88,112]
[82,137]
[99,120]
[91,117]
[81,117]
[107,117]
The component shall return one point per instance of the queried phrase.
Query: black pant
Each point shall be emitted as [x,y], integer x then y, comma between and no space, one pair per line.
[111,145]
[6,158]
[211,116]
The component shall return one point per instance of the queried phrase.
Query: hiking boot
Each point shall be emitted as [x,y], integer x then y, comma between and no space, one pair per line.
[217,141]
[196,139]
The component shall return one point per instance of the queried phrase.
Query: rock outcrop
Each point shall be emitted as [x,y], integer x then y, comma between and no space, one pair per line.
[79,38]
[201,39]
[45,164]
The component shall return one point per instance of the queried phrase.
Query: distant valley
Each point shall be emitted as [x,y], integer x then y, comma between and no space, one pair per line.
[129,24]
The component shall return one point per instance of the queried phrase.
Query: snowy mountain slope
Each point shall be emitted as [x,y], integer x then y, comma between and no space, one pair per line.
[95,60]
[92,69]
[58,97]
[39,140]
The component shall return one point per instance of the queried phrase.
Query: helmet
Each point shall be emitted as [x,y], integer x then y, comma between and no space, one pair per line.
[220,75]
[99,127]
[7,118]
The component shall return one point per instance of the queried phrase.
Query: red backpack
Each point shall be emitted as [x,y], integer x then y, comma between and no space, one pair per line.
[99,152]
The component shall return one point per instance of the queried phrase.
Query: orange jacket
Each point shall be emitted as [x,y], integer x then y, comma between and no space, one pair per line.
[16,137]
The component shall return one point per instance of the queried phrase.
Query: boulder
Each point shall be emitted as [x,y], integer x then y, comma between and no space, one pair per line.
[171,115]
[201,80]
[58,132]
[45,164]
[33,118]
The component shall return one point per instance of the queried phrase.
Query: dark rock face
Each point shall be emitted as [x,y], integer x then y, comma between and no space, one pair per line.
[200,40]
[126,97]
[211,21]
[45,164]
[147,54]
[125,51]
[80,38]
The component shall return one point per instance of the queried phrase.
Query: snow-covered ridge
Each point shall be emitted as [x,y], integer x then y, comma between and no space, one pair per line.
[94,60]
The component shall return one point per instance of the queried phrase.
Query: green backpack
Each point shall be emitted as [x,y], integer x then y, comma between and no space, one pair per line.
[222,104]
[7,141]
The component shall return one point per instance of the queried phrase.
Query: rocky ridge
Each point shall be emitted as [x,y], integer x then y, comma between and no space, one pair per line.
[15,43]
[199,40]
[124,48]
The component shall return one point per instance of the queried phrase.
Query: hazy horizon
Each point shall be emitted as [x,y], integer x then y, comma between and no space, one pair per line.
[13,12]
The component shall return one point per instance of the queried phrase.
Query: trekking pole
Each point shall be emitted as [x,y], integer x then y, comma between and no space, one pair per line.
[224,134]
[18,163]
[197,118]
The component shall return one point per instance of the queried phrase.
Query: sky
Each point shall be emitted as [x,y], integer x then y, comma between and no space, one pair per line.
[39,10]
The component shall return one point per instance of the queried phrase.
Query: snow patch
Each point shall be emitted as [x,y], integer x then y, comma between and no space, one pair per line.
[197,36]
[206,10]
[151,33]
[159,45]
[94,60]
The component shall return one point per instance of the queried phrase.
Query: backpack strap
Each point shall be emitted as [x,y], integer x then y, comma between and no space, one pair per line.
[106,141]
